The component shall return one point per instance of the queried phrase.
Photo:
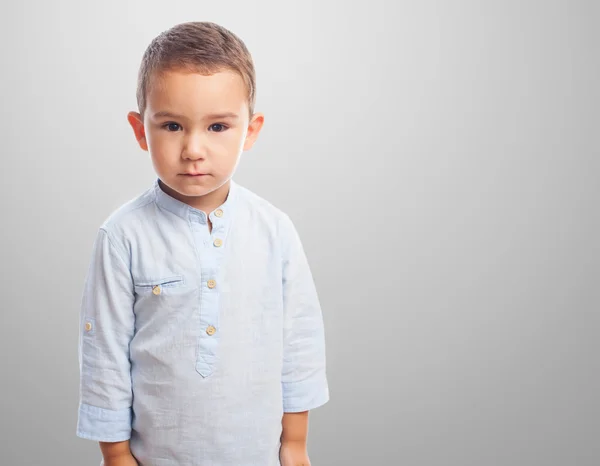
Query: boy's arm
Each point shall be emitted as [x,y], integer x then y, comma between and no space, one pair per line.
[304,380]
[293,450]
[117,454]
[106,328]
[295,427]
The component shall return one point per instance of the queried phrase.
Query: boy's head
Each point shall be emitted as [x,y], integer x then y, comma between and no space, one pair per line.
[195,95]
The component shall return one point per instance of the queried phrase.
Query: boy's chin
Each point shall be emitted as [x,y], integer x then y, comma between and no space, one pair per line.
[194,191]
[192,187]
[200,188]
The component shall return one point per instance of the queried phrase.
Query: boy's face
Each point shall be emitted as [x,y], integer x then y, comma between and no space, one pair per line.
[196,124]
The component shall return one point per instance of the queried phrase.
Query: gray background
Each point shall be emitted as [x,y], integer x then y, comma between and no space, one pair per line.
[440,160]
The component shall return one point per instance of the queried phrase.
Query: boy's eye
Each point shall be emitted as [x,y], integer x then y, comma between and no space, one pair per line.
[171,127]
[218,127]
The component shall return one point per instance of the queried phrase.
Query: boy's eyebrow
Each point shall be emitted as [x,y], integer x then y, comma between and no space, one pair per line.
[214,116]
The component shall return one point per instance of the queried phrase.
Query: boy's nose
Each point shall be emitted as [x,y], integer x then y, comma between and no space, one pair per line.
[195,148]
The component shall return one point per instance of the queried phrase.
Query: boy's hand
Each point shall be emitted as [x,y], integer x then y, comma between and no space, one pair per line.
[293,454]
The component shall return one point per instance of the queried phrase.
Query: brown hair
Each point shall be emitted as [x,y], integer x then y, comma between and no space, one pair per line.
[200,47]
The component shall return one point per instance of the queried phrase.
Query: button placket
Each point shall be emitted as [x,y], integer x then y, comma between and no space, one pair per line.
[209,318]
[218,229]
[212,254]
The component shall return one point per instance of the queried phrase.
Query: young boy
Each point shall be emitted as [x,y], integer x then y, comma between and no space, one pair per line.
[202,340]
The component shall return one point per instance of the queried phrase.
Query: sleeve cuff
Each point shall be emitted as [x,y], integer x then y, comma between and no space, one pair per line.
[103,425]
[305,395]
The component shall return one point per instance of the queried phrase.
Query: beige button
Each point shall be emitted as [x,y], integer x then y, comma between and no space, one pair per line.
[88,326]
[211,283]
[218,242]
[156,289]
[211,330]
[219,213]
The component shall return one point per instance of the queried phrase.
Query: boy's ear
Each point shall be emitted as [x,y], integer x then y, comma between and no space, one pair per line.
[137,123]
[254,127]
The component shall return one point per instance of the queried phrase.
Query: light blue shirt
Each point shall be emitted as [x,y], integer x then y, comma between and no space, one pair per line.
[194,343]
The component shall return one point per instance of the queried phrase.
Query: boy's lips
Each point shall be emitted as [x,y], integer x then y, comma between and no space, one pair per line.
[194,174]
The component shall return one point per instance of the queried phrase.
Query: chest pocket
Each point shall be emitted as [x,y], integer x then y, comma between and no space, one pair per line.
[166,312]
[160,286]
[172,296]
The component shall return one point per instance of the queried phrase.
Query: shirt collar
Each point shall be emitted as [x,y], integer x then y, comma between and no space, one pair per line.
[184,210]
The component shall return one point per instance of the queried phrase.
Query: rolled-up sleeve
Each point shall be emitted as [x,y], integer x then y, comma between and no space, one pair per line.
[106,326]
[304,379]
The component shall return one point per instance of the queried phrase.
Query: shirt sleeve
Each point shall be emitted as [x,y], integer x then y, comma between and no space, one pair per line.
[106,326]
[304,379]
